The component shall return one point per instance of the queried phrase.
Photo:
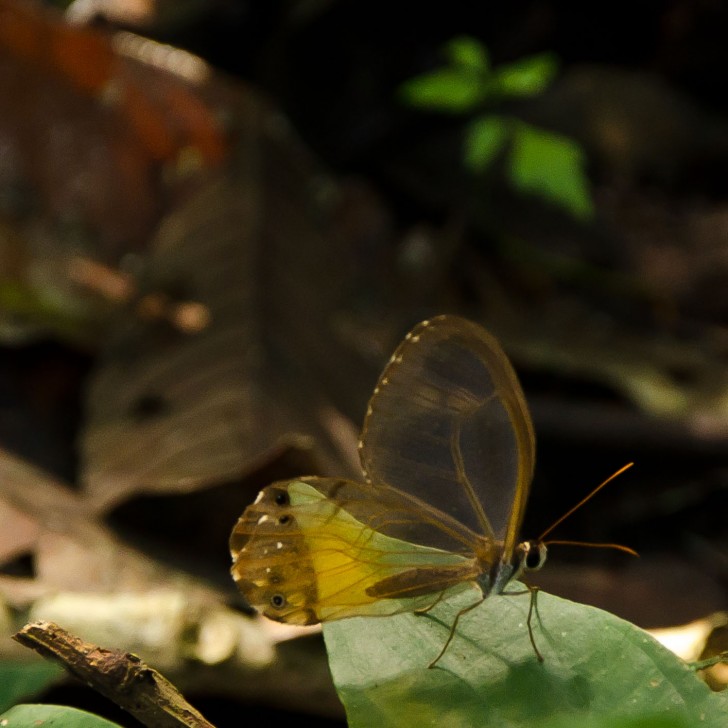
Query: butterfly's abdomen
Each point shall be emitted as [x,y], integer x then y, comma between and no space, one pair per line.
[423,580]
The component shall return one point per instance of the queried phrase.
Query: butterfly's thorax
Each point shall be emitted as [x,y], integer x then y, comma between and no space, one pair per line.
[497,574]
[489,555]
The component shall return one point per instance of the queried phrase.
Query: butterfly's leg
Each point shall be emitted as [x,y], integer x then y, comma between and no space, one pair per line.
[424,610]
[452,631]
[533,607]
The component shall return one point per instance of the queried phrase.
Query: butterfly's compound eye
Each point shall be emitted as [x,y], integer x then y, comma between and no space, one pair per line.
[535,555]
[281,498]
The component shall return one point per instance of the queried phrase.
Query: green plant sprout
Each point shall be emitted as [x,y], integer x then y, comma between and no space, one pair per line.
[538,161]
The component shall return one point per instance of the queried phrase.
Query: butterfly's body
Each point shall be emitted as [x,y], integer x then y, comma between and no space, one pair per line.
[448,449]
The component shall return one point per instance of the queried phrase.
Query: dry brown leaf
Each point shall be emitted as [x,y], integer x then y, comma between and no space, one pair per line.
[94,146]
[224,316]
[170,410]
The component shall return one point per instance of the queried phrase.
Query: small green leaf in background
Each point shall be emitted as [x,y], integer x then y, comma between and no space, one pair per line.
[525,77]
[52,716]
[540,162]
[597,668]
[21,680]
[468,81]
[469,53]
[449,89]
[484,138]
[552,166]
[456,88]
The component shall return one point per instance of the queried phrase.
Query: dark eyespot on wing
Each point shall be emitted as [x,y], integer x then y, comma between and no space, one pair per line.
[269,504]
[271,562]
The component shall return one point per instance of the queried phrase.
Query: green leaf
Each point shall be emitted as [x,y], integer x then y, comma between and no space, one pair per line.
[50,716]
[21,680]
[597,668]
[449,89]
[468,81]
[468,52]
[552,166]
[525,77]
[484,138]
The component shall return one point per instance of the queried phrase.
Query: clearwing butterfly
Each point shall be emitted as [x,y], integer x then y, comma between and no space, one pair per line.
[447,449]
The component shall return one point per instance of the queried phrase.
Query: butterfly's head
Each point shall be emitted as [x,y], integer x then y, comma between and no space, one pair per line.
[532,555]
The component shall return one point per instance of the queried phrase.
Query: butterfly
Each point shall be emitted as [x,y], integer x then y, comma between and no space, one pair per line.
[448,451]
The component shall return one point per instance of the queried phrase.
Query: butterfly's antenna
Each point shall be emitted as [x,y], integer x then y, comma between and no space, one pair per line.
[579,505]
[618,546]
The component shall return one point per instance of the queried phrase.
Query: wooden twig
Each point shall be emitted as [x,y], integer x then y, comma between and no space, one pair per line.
[119,676]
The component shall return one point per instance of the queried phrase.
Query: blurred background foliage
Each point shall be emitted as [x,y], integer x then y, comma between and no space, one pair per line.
[217,219]
[547,164]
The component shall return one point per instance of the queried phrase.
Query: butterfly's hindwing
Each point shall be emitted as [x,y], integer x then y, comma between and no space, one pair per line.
[326,564]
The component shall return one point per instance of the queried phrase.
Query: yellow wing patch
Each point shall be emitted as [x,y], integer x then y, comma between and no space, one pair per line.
[300,557]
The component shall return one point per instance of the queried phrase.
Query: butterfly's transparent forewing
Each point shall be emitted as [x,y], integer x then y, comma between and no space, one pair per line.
[448,423]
